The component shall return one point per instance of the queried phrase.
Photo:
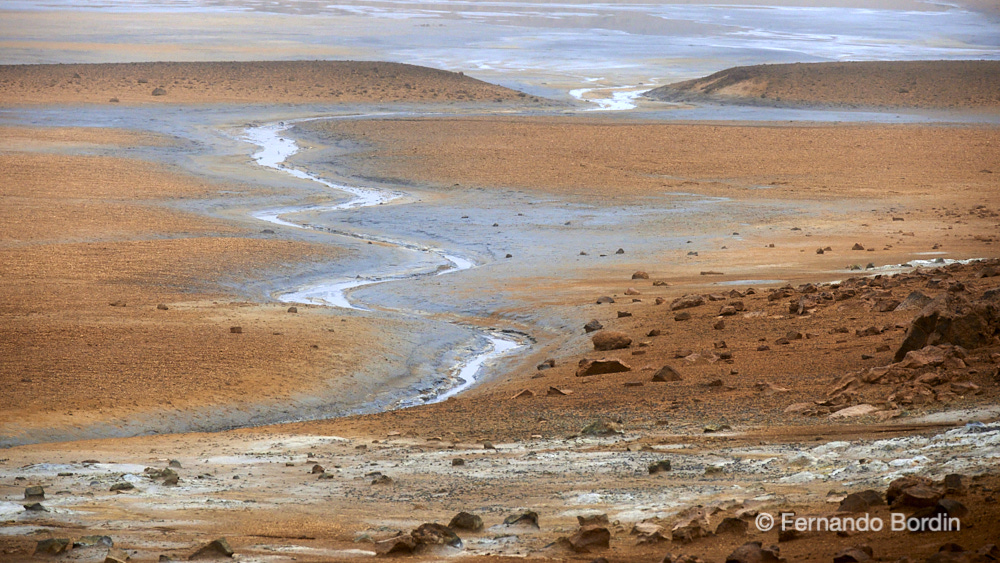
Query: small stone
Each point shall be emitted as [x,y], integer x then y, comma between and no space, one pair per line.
[293,309]
[35,507]
[605,299]
[601,367]
[457,462]
[719,325]
[857,246]
[175,464]
[162,307]
[466,521]
[236,330]
[122,487]
[317,469]
[401,544]
[682,316]
[34,492]
[667,373]
[592,326]
[640,275]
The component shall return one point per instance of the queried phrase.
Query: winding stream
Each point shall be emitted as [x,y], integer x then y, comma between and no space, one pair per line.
[275,150]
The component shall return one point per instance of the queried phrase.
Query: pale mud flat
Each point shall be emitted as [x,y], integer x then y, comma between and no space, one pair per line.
[259,489]
[545,48]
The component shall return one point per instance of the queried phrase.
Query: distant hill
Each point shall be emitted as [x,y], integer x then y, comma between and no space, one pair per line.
[903,84]
[242,82]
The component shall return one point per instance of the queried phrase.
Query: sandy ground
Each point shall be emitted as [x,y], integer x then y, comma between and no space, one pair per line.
[910,84]
[102,229]
[241,82]
[91,246]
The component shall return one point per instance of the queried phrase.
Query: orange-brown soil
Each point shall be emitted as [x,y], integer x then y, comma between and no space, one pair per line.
[909,84]
[620,159]
[80,233]
[242,82]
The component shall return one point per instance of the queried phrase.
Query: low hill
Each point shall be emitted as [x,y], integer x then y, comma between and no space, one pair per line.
[903,84]
[241,82]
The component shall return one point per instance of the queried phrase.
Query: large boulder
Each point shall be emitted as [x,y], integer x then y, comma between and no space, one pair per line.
[611,340]
[466,521]
[435,534]
[951,319]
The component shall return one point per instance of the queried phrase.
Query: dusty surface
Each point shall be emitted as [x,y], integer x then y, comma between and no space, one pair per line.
[90,247]
[84,227]
[240,82]
[911,84]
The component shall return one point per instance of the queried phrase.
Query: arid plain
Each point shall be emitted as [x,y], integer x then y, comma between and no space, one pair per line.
[748,355]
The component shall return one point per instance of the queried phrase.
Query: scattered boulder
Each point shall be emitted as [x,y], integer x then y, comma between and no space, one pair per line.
[667,373]
[556,392]
[623,314]
[604,299]
[436,534]
[317,469]
[951,319]
[914,301]
[640,275]
[857,246]
[122,487]
[611,340]
[953,484]
[524,394]
[601,367]
[682,316]
[856,410]
[466,521]
[36,492]
[632,291]
[159,92]
[592,326]
[527,518]
[236,330]
[653,333]
[35,507]
[213,550]
[162,307]
[293,309]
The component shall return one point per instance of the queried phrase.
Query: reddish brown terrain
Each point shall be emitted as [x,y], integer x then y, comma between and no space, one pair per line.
[973,85]
[700,398]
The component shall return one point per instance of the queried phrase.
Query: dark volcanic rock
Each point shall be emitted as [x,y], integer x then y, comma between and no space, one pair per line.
[667,373]
[753,552]
[527,518]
